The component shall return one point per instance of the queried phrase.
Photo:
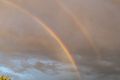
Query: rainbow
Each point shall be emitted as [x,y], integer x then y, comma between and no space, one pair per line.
[46,27]
[81,27]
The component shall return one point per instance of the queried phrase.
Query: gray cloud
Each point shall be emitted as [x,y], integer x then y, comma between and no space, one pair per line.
[27,68]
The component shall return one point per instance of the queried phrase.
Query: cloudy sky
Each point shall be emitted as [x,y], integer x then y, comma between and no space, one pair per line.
[89,29]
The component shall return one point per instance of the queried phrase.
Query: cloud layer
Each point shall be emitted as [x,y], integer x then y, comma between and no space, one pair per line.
[30,68]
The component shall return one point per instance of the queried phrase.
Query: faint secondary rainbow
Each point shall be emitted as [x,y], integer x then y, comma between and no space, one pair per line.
[81,27]
[46,27]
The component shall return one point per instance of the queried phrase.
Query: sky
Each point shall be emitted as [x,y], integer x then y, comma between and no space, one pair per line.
[89,29]
[31,68]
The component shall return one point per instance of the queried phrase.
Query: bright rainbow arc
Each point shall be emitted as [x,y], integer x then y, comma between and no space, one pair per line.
[82,29]
[46,27]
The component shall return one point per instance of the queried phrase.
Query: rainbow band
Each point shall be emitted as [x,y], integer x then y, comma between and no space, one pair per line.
[50,31]
[81,27]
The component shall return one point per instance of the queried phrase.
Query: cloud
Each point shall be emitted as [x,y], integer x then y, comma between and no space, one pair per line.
[31,68]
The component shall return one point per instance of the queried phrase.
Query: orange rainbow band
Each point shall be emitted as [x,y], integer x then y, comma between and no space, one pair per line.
[59,41]
[82,28]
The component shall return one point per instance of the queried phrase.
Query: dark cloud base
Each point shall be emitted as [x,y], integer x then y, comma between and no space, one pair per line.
[31,68]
